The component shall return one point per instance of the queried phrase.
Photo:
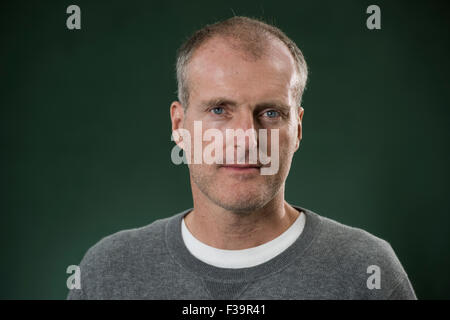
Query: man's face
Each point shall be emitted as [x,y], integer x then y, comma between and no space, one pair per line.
[230,90]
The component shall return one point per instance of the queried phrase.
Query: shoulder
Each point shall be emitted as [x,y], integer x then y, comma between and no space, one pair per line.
[348,239]
[357,246]
[352,255]
[119,257]
[124,244]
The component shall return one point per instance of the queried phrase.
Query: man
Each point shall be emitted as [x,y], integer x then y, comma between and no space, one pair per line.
[241,240]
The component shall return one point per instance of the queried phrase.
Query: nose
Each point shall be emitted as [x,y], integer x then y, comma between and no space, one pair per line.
[243,124]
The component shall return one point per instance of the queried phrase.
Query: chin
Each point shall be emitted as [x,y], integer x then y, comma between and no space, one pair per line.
[241,207]
[237,195]
[242,202]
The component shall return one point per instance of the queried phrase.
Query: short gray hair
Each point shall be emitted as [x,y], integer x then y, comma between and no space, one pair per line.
[252,34]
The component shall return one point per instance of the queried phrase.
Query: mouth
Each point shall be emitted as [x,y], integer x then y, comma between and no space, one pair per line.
[242,168]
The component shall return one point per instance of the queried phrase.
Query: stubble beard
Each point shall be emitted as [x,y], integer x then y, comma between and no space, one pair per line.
[243,203]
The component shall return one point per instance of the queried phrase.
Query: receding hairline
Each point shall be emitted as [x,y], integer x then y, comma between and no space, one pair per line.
[248,54]
[249,51]
[250,36]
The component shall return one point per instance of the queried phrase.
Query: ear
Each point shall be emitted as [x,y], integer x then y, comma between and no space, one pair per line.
[300,112]
[177,118]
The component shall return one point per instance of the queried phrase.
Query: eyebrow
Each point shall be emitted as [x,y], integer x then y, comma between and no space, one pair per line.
[224,101]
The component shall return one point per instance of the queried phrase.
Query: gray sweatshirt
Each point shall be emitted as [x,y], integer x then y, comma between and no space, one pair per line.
[328,261]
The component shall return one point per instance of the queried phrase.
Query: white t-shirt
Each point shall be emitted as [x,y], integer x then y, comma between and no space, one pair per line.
[244,258]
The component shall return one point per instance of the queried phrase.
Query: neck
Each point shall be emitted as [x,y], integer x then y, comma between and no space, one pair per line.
[224,229]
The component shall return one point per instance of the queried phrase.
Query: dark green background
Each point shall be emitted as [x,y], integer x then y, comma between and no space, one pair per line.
[85,127]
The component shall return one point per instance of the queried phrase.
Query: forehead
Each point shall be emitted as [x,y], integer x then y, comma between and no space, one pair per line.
[222,68]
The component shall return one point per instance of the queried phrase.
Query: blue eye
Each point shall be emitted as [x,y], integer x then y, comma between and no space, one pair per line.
[217,110]
[272,113]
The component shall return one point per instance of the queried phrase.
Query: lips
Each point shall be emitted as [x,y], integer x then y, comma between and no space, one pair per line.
[242,166]
[242,169]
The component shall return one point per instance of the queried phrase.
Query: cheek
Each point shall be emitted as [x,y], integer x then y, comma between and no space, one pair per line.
[287,140]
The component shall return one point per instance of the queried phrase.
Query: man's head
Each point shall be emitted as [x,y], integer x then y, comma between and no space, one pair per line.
[241,74]
[251,37]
